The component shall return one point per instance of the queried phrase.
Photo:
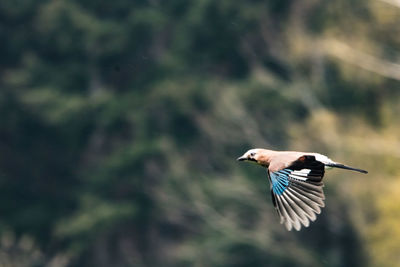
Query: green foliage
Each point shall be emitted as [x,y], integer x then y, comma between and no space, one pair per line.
[121,121]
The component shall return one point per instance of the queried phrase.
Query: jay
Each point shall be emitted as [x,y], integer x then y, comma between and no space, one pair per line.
[295,182]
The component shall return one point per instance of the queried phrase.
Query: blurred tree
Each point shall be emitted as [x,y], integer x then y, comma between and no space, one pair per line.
[120,122]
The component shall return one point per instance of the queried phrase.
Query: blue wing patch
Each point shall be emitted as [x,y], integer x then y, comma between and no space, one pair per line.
[297,192]
[280,181]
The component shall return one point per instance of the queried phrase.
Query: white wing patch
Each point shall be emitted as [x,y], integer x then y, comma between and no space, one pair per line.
[300,174]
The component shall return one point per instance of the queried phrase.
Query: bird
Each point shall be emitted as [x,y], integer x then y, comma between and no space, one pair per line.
[295,182]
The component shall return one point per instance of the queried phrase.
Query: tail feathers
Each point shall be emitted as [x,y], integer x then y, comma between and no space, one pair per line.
[341,166]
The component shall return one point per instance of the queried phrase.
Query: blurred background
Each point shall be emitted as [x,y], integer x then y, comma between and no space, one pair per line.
[120,123]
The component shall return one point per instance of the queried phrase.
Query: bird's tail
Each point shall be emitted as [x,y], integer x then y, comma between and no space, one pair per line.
[341,166]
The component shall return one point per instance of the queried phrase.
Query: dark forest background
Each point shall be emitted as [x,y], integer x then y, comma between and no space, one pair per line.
[120,123]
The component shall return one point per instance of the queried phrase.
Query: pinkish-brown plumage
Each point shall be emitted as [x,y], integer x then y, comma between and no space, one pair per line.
[296,182]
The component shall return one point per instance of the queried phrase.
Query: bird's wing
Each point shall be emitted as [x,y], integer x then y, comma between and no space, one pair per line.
[297,191]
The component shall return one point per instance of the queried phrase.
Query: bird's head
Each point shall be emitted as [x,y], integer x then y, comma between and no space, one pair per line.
[256,155]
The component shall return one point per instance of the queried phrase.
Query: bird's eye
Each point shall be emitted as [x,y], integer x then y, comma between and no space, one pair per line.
[252,154]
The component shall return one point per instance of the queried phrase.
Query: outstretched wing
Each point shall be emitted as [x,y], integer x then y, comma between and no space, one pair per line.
[297,192]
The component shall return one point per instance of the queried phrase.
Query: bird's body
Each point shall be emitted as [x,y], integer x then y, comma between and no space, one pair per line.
[296,182]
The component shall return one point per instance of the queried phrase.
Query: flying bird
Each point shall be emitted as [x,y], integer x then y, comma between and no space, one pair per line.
[295,182]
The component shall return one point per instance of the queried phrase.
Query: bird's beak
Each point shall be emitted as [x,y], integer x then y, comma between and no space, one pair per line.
[242,158]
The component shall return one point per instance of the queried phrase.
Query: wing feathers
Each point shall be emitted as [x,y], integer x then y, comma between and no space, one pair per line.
[304,211]
[314,196]
[298,212]
[297,207]
[291,217]
[285,218]
[310,207]
[308,189]
[297,192]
